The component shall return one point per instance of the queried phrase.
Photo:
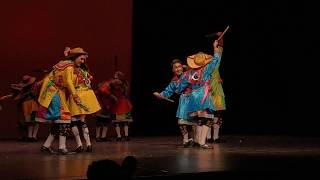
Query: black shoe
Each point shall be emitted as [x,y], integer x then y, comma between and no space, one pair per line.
[126,138]
[105,139]
[210,140]
[118,139]
[65,152]
[191,142]
[32,139]
[195,144]
[79,149]
[98,139]
[47,150]
[22,139]
[206,146]
[219,140]
[89,148]
[186,144]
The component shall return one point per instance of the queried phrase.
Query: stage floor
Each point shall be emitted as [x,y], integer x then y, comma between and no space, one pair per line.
[165,156]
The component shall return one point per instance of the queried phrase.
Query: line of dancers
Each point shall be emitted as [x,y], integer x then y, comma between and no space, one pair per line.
[64,98]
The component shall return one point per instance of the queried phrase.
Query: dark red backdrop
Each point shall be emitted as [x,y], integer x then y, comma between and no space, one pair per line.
[34,33]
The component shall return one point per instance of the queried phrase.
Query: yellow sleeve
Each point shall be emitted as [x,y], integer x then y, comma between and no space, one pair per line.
[69,80]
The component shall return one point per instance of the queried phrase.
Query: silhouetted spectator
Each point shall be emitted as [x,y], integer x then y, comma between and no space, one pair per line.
[128,166]
[103,169]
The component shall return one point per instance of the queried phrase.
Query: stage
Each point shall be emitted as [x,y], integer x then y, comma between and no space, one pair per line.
[241,156]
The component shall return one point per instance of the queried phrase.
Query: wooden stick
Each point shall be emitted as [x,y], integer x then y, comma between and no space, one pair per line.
[170,100]
[6,97]
[158,95]
[223,33]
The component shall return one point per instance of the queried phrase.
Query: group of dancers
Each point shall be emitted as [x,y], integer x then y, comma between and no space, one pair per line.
[201,100]
[64,98]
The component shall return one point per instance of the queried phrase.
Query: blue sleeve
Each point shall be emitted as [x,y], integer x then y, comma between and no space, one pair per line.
[170,89]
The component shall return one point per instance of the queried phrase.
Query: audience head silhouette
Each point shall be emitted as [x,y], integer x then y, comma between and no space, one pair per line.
[129,165]
[103,169]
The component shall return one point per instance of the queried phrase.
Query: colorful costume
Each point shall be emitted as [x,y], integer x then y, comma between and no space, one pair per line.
[216,87]
[199,79]
[52,97]
[182,114]
[120,106]
[218,98]
[82,83]
[53,103]
[103,117]
[200,105]
[89,105]
[26,93]
[121,109]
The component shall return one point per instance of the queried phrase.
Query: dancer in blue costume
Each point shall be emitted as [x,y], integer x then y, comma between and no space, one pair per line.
[201,105]
[185,122]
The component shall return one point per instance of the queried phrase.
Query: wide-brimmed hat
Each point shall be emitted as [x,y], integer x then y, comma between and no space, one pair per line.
[120,75]
[26,80]
[68,52]
[198,60]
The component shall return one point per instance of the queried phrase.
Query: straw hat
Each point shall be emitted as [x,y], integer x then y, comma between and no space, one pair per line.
[73,52]
[198,60]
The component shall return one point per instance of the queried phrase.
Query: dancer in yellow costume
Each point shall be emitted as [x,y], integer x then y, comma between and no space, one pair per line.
[89,103]
[218,98]
[53,101]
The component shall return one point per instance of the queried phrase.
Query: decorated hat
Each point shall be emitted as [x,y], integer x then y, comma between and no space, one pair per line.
[68,52]
[198,60]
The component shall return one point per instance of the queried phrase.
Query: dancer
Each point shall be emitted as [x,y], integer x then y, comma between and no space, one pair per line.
[25,93]
[89,103]
[121,108]
[103,117]
[186,124]
[218,98]
[53,101]
[201,106]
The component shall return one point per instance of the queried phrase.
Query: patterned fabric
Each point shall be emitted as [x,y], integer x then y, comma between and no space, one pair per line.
[60,129]
[205,121]
[199,79]
[52,96]
[84,91]
[216,87]
[113,95]
[29,107]
[182,111]
[62,65]
[54,113]
[126,117]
